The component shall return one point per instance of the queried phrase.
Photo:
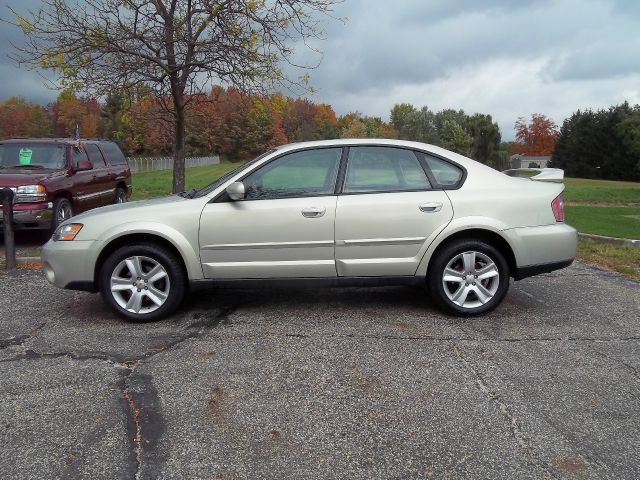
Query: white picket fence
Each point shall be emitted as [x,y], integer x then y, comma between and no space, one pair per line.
[148,164]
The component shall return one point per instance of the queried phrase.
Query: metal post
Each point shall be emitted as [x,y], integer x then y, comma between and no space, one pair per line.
[6,196]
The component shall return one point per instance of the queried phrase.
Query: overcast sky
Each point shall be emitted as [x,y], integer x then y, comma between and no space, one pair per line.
[508,58]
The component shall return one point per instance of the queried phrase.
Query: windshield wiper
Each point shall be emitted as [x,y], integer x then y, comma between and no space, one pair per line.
[188,194]
[26,166]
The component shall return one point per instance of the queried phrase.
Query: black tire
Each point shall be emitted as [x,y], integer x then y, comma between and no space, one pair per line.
[176,281]
[62,210]
[437,285]
[120,196]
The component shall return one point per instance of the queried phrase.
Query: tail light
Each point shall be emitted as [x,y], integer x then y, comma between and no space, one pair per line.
[558,208]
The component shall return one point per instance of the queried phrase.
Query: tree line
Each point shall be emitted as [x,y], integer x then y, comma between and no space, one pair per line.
[600,144]
[590,144]
[239,126]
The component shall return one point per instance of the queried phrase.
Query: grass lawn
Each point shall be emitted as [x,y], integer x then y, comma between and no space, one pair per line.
[622,222]
[620,259]
[157,184]
[608,192]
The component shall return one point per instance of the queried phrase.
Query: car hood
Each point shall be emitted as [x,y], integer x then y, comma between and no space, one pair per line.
[130,208]
[14,177]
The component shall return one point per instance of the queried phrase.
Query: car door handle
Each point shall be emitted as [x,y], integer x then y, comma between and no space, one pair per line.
[313,212]
[430,207]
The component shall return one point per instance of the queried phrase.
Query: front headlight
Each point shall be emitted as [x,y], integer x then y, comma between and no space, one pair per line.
[66,232]
[30,193]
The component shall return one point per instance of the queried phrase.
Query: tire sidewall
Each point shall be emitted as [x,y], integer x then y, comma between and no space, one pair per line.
[442,259]
[57,205]
[120,193]
[173,267]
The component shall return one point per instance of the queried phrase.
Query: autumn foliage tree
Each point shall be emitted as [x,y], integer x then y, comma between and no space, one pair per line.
[536,138]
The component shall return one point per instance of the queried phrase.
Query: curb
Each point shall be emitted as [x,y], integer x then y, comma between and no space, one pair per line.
[619,242]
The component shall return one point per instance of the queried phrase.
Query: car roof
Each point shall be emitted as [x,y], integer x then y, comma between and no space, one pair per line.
[386,142]
[66,141]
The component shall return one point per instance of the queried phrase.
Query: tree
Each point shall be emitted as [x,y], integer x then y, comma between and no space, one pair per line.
[21,119]
[456,138]
[175,47]
[537,138]
[486,139]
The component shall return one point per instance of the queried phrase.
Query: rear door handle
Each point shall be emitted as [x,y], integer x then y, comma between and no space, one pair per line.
[430,207]
[313,212]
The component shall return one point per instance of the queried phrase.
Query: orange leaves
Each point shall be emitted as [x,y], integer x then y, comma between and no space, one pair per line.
[537,138]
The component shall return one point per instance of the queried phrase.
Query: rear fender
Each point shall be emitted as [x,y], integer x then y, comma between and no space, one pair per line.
[459,225]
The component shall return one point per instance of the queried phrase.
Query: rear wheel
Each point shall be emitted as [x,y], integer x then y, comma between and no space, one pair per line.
[121,196]
[468,277]
[142,282]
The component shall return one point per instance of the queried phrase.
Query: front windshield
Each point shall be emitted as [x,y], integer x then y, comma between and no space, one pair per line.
[211,187]
[35,155]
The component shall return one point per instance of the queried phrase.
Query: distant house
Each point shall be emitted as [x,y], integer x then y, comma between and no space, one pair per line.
[525,161]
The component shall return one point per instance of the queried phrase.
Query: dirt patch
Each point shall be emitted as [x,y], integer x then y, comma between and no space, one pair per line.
[213,407]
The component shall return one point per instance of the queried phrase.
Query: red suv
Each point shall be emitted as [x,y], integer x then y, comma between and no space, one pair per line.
[53,179]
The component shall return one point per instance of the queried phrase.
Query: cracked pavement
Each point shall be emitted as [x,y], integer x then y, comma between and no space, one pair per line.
[323,383]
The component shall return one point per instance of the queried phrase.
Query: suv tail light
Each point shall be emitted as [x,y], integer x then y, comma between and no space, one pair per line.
[558,208]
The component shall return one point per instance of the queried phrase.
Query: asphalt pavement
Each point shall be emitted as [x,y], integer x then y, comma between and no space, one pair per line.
[323,383]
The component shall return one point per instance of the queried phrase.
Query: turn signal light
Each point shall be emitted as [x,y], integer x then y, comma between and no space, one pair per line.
[67,232]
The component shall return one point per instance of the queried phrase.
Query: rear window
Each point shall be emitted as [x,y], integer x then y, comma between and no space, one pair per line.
[113,153]
[95,156]
[446,174]
[36,155]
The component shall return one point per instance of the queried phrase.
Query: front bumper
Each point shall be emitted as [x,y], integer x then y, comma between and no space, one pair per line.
[70,264]
[31,216]
[542,249]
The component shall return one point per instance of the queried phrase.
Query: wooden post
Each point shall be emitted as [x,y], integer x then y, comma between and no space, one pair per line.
[6,196]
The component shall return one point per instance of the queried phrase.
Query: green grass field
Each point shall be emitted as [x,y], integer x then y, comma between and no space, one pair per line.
[157,184]
[605,192]
[622,222]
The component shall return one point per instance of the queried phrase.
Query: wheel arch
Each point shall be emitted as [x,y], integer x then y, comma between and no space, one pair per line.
[138,237]
[492,237]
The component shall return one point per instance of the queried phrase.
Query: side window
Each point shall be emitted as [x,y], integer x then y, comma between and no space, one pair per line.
[445,173]
[95,156]
[383,169]
[113,153]
[305,173]
[78,154]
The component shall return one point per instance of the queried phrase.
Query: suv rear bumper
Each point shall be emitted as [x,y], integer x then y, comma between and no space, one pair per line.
[31,216]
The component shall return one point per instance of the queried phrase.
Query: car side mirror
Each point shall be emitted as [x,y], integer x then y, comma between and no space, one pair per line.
[84,165]
[236,191]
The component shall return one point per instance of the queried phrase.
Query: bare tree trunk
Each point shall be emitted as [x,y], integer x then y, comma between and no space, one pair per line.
[178,151]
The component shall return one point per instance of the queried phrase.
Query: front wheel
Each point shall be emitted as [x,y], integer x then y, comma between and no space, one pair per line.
[142,282]
[62,210]
[468,277]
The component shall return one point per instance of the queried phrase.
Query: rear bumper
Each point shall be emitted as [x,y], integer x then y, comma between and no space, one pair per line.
[542,249]
[531,270]
[31,216]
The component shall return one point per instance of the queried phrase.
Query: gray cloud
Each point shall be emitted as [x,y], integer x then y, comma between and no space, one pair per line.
[508,58]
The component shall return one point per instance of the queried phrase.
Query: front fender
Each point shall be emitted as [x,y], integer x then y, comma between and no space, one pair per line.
[185,247]
[459,225]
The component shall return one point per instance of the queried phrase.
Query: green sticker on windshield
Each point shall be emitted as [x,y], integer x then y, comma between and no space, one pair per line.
[25,156]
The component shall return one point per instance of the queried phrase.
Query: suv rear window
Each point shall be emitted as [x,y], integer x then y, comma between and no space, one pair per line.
[113,153]
[38,155]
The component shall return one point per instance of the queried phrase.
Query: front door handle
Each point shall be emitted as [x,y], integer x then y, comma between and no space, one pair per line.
[313,212]
[430,207]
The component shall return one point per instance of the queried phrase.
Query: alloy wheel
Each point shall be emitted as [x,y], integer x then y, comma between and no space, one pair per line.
[140,284]
[470,279]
